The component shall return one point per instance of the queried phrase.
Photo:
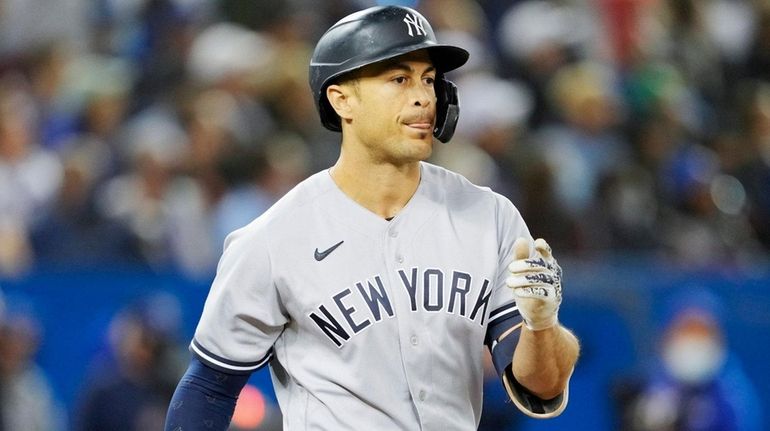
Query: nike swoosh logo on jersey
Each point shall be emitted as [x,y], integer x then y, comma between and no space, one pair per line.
[321,255]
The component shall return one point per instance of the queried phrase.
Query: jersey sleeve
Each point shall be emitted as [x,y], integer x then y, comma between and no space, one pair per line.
[505,321]
[243,314]
[510,226]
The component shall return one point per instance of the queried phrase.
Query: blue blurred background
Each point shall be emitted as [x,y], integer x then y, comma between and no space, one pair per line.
[634,135]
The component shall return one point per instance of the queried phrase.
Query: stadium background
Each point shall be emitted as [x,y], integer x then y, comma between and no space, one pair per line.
[634,135]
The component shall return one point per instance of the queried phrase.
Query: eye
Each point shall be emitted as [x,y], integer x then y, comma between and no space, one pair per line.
[399,79]
[430,80]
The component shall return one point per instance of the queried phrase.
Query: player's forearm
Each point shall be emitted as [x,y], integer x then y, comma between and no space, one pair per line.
[543,360]
[204,399]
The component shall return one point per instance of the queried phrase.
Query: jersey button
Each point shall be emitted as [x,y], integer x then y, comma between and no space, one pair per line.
[393,234]
[414,340]
[422,395]
[400,259]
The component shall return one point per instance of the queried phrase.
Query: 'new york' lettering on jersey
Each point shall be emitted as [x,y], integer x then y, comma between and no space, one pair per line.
[376,298]
[421,293]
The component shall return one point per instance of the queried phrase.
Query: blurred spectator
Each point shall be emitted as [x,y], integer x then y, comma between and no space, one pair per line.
[29,176]
[753,168]
[707,224]
[459,16]
[130,385]
[231,58]
[582,147]
[257,179]
[245,172]
[537,38]
[731,25]
[27,401]
[51,76]
[758,61]
[629,209]
[696,383]
[690,47]
[154,145]
[97,88]
[23,27]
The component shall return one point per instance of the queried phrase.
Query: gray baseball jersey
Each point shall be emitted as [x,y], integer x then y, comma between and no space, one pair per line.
[368,323]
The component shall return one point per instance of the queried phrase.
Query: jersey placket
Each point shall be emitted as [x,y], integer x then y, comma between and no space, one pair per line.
[409,339]
[413,337]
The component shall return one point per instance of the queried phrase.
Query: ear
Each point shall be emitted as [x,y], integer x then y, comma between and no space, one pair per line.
[339,97]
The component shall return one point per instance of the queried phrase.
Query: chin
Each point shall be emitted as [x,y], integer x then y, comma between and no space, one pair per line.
[424,148]
[415,151]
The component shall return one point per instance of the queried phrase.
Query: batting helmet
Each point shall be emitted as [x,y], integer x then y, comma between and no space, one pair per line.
[381,33]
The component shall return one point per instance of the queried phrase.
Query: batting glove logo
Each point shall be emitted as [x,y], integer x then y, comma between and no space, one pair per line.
[536,284]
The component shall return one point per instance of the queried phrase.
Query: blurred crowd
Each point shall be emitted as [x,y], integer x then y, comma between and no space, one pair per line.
[126,383]
[143,131]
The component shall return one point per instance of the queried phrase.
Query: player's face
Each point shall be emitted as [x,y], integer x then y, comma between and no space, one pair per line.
[394,108]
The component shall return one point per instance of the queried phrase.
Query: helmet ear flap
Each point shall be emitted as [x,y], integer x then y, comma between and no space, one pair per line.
[447,109]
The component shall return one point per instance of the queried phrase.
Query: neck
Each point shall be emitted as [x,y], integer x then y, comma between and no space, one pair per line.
[382,188]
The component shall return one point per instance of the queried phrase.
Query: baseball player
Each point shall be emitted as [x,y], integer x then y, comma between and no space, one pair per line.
[372,287]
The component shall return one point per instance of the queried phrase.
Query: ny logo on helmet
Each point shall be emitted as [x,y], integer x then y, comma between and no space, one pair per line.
[412,20]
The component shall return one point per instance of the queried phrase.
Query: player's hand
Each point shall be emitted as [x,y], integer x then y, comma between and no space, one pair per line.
[536,284]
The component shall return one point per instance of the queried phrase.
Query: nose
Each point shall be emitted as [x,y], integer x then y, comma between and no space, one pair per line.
[423,95]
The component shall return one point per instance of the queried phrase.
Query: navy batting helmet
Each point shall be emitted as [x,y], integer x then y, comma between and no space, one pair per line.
[381,33]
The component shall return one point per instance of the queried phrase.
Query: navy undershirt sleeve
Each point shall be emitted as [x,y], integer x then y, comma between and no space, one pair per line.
[502,347]
[204,399]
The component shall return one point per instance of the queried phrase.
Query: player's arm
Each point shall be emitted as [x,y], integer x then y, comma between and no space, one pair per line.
[543,360]
[204,398]
[241,319]
[546,351]
[532,352]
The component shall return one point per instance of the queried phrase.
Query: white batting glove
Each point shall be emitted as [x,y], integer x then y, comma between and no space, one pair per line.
[536,284]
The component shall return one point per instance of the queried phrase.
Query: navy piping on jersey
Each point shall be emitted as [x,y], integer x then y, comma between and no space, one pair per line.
[228,365]
[502,312]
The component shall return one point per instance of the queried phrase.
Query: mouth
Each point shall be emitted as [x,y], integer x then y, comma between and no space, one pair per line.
[421,123]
